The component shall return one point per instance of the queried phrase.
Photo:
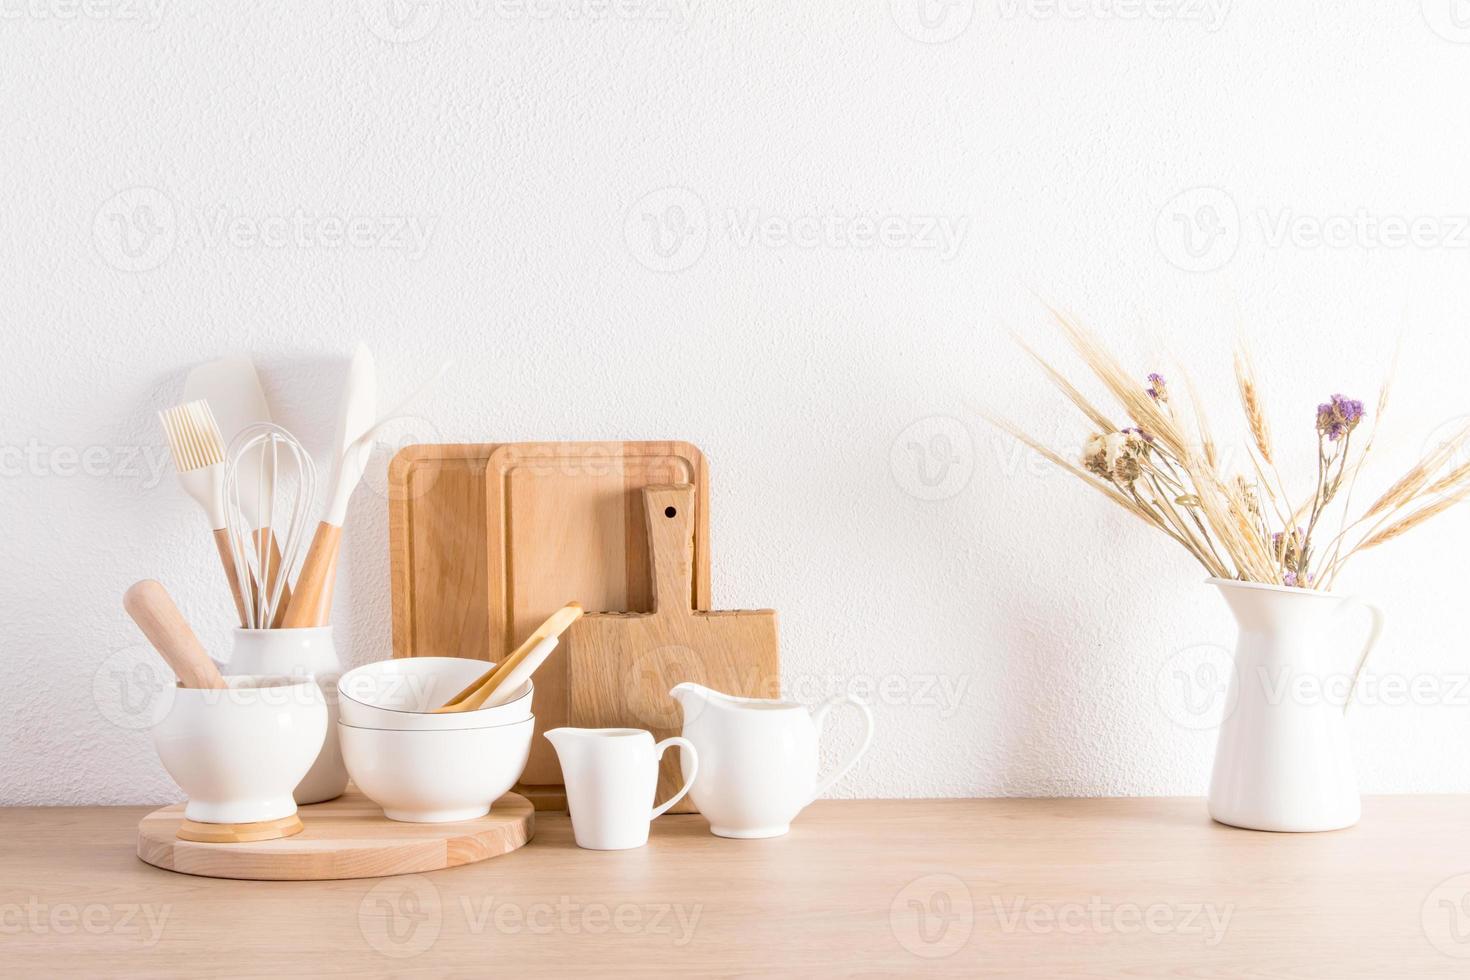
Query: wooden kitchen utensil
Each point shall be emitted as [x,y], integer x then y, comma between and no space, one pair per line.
[621,666]
[149,604]
[477,693]
[487,540]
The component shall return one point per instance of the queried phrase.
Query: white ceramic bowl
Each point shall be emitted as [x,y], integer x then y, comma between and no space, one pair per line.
[436,776]
[238,753]
[402,694]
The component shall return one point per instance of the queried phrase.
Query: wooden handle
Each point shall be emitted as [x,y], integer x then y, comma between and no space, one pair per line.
[264,537]
[479,691]
[149,604]
[227,559]
[670,512]
[311,605]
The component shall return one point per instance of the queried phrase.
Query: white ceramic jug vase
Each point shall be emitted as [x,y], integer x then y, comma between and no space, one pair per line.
[1283,761]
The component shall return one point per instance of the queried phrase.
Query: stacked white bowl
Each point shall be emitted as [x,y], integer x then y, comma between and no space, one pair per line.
[423,767]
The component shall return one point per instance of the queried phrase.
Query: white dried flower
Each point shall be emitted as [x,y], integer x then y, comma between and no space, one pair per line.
[1116,456]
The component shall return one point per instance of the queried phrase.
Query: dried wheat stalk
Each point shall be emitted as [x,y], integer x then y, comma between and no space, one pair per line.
[1168,473]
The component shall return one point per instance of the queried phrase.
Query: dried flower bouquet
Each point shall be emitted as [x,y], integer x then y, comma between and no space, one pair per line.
[1166,470]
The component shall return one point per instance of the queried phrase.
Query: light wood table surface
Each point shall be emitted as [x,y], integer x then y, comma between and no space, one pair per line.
[1004,888]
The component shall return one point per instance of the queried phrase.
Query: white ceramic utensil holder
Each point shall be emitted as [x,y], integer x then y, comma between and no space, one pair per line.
[304,652]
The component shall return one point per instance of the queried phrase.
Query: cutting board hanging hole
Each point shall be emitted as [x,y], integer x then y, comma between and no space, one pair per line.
[671,512]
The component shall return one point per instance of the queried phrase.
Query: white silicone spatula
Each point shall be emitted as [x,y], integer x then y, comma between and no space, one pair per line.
[233,391]
[312,603]
[357,428]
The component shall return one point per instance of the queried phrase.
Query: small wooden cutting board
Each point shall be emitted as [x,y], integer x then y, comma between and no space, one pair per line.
[621,666]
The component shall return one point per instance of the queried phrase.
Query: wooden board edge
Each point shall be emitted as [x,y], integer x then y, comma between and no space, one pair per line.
[545,798]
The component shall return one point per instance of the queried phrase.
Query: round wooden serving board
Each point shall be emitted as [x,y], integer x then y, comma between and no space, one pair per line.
[344,838]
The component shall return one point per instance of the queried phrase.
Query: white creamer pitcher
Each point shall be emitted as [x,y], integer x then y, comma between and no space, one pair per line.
[611,776]
[758,758]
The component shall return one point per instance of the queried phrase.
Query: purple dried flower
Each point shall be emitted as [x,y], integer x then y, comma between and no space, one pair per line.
[1140,433]
[1338,417]
[1158,388]
[1292,579]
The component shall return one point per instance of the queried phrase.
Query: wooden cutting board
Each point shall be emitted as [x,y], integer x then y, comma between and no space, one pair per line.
[622,665]
[437,551]
[344,838]
[487,540]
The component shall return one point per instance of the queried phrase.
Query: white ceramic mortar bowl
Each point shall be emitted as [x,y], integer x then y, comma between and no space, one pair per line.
[238,753]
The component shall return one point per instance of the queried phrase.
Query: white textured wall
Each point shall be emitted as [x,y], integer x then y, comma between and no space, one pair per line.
[932,171]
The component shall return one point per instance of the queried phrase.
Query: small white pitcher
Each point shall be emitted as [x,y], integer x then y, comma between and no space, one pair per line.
[759,758]
[310,652]
[611,775]
[1283,761]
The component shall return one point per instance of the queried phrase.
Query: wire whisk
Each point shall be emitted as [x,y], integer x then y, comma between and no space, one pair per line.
[266,556]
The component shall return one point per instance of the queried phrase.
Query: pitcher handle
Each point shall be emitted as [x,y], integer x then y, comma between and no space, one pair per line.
[1374,632]
[658,753]
[818,715]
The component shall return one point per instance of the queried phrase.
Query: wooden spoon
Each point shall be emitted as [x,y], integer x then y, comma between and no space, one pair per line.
[149,604]
[480,690]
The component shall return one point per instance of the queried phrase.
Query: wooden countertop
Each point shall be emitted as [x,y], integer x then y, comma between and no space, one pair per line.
[1005,888]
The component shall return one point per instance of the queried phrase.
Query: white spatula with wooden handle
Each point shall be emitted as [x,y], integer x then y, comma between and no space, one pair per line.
[357,429]
[149,604]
